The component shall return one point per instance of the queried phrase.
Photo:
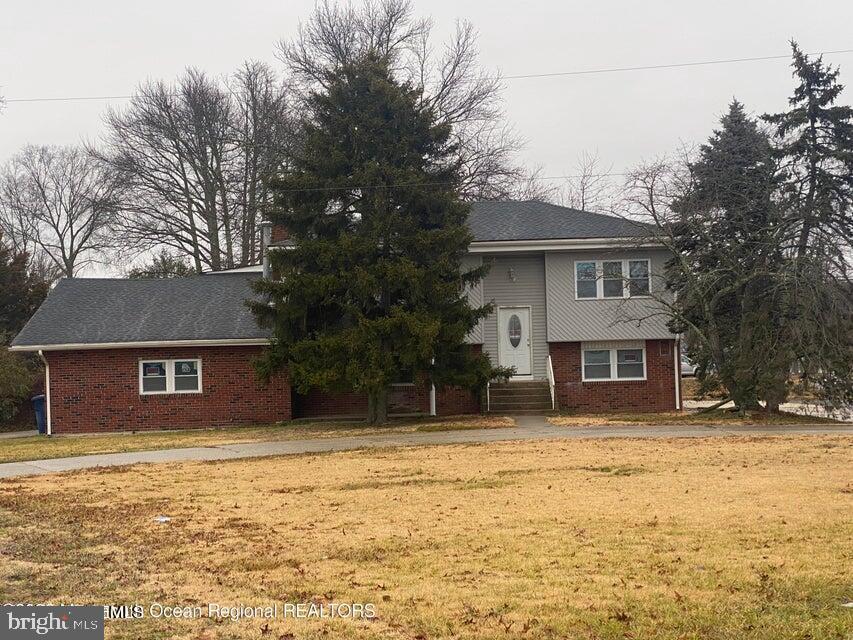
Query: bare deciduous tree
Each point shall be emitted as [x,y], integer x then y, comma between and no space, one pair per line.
[193,156]
[452,83]
[262,133]
[534,186]
[57,204]
[591,188]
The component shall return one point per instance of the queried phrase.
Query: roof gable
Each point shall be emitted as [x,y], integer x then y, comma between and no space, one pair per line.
[533,220]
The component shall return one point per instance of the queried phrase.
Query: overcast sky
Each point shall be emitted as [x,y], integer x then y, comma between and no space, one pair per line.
[104,47]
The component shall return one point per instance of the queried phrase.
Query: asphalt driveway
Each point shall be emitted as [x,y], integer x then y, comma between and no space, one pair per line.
[527,428]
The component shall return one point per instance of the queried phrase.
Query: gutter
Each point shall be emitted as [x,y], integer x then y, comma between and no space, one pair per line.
[46,392]
[154,344]
[557,244]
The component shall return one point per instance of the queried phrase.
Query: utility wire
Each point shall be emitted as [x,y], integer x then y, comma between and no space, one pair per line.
[441,182]
[511,77]
[665,66]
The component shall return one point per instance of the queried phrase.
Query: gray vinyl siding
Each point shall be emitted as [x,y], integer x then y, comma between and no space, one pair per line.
[571,320]
[475,298]
[528,289]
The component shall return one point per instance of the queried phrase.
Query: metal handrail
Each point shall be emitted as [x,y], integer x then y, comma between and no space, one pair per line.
[551,383]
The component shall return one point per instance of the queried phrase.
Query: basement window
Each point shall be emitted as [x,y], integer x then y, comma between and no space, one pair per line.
[169,376]
[614,364]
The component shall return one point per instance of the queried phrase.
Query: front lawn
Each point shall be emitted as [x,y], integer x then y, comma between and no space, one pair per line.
[42,447]
[724,538]
[719,417]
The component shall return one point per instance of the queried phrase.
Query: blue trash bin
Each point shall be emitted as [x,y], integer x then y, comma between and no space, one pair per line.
[38,408]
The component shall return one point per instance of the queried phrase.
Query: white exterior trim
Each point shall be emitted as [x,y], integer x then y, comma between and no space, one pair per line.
[517,376]
[599,278]
[46,393]
[170,376]
[614,372]
[676,366]
[505,246]
[83,346]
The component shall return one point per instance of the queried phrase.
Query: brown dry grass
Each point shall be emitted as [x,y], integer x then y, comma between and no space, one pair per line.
[42,448]
[718,538]
[717,417]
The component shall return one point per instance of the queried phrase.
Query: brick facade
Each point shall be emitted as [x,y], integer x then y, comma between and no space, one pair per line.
[407,399]
[98,390]
[279,233]
[403,399]
[656,393]
[455,401]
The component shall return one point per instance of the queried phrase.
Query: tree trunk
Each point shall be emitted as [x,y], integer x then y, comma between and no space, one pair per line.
[377,406]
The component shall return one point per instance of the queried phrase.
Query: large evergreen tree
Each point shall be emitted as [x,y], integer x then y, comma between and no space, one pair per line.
[760,234]
[814,144]
[373,288]
[21,292]
[724,277]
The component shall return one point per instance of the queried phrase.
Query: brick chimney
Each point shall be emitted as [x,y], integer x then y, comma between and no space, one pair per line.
[279,233]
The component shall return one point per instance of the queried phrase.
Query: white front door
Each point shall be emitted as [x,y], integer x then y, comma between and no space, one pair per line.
[514,339]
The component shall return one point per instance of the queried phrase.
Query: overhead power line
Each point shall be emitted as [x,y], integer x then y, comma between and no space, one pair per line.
[397,185]
[676,65]
[524,76]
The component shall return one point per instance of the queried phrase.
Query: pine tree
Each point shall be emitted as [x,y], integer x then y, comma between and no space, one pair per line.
[728,236]
[815,143]
[21,292]
[373,288]
[163,265]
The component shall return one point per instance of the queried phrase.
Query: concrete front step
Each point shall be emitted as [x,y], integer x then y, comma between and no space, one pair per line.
[521,394]
[522,412]
[517,384]
[522,397]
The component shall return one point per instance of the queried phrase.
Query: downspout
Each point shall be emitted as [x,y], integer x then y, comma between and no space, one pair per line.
[46,391]
[676,365]
[432,410]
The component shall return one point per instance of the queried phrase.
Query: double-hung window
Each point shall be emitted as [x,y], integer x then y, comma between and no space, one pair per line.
[614,364]
[599,279]
[170,376]
[586,279]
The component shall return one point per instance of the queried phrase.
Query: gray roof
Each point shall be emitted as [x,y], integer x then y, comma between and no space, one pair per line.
[105,310]
[212,306]
[532,220]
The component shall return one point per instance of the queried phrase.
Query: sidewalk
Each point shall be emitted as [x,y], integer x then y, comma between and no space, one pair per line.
[527,428]
[18,434]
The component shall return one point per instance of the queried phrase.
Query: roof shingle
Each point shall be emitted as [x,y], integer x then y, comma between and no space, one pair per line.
[532,220]
[212,306]
[108,310]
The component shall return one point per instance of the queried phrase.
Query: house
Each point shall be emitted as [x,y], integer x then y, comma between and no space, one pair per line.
[575,313]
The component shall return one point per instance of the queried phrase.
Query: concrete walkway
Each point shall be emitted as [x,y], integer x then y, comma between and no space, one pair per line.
[18,434]
[527,428]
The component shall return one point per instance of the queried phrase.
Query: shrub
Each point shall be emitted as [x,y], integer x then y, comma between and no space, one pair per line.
[16,381]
